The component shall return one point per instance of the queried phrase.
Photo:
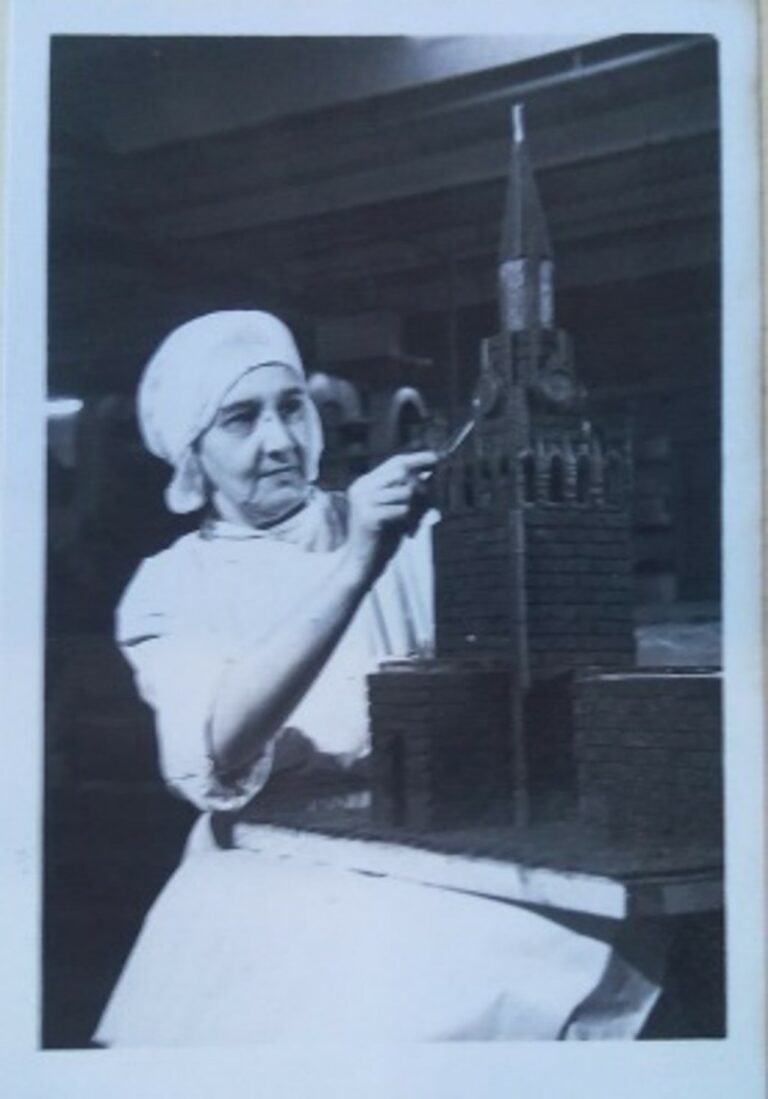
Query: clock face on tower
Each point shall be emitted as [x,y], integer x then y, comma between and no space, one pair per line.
[555,381]
[557,385]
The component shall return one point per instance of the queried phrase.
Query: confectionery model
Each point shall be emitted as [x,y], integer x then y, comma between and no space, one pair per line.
[532,702]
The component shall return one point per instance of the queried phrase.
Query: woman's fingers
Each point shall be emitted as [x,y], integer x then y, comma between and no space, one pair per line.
[391,496]
[420,461]
[394,494]
[397,480]
[404,468]
[380,511]
[392,513]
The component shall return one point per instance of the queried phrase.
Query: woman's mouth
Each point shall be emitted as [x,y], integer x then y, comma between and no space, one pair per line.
[277,471]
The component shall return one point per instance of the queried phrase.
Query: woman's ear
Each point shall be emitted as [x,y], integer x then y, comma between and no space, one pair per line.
[189,489]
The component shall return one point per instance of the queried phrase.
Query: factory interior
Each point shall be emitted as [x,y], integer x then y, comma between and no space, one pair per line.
[356,188]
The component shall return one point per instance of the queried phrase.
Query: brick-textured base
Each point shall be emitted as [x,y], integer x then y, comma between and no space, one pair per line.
[551,764]
[648,750]
[441,742]
[635,754]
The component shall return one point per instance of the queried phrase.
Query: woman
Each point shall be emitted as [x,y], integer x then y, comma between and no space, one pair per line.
[251,639]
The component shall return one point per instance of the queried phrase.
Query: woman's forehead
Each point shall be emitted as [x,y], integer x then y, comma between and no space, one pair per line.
[262,383]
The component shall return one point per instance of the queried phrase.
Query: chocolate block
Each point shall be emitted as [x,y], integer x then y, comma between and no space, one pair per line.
[649,755]
[450,763]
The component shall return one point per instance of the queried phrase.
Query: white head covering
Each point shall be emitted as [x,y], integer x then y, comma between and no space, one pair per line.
[186,379]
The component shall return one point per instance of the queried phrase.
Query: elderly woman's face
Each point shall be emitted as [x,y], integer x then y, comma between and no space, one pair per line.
[255,452]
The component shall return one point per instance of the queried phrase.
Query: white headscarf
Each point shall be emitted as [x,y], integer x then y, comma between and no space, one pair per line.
[187,378]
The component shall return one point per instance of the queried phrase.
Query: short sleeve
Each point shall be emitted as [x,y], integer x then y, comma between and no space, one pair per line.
[179,659]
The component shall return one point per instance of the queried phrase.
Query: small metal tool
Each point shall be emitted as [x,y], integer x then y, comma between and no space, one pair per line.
[458,438]
[451,446]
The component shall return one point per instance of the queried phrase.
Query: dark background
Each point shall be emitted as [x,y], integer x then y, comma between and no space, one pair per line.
[356,188]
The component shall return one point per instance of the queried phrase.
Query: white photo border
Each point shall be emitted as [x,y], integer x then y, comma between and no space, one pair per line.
[703,1068]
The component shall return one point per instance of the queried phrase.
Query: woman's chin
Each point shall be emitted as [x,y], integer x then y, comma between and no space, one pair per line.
[269,513]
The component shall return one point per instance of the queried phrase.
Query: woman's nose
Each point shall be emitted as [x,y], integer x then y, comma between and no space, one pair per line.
[272,435]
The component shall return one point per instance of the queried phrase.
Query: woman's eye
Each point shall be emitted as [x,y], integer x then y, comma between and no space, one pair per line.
[238,422]
[292,407]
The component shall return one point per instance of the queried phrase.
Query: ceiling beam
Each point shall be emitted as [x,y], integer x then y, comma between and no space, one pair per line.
[638,127]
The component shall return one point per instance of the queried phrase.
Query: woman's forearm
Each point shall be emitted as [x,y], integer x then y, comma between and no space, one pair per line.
[260,691]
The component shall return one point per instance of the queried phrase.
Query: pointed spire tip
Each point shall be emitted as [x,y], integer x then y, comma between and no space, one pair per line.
[518,123]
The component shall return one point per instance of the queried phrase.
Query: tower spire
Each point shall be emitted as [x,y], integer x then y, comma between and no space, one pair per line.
[525,259]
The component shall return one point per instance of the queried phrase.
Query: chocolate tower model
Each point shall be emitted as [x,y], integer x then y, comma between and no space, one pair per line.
[533,673]
[532,555]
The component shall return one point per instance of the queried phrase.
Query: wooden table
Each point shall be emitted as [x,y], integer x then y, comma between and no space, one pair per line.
[560,865]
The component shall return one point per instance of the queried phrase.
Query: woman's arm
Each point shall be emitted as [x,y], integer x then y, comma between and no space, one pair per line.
[260,691]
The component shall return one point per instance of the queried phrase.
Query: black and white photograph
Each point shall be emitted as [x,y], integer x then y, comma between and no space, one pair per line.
[387,658]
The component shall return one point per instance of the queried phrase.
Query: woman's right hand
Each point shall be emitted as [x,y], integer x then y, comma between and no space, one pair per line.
[383,505]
